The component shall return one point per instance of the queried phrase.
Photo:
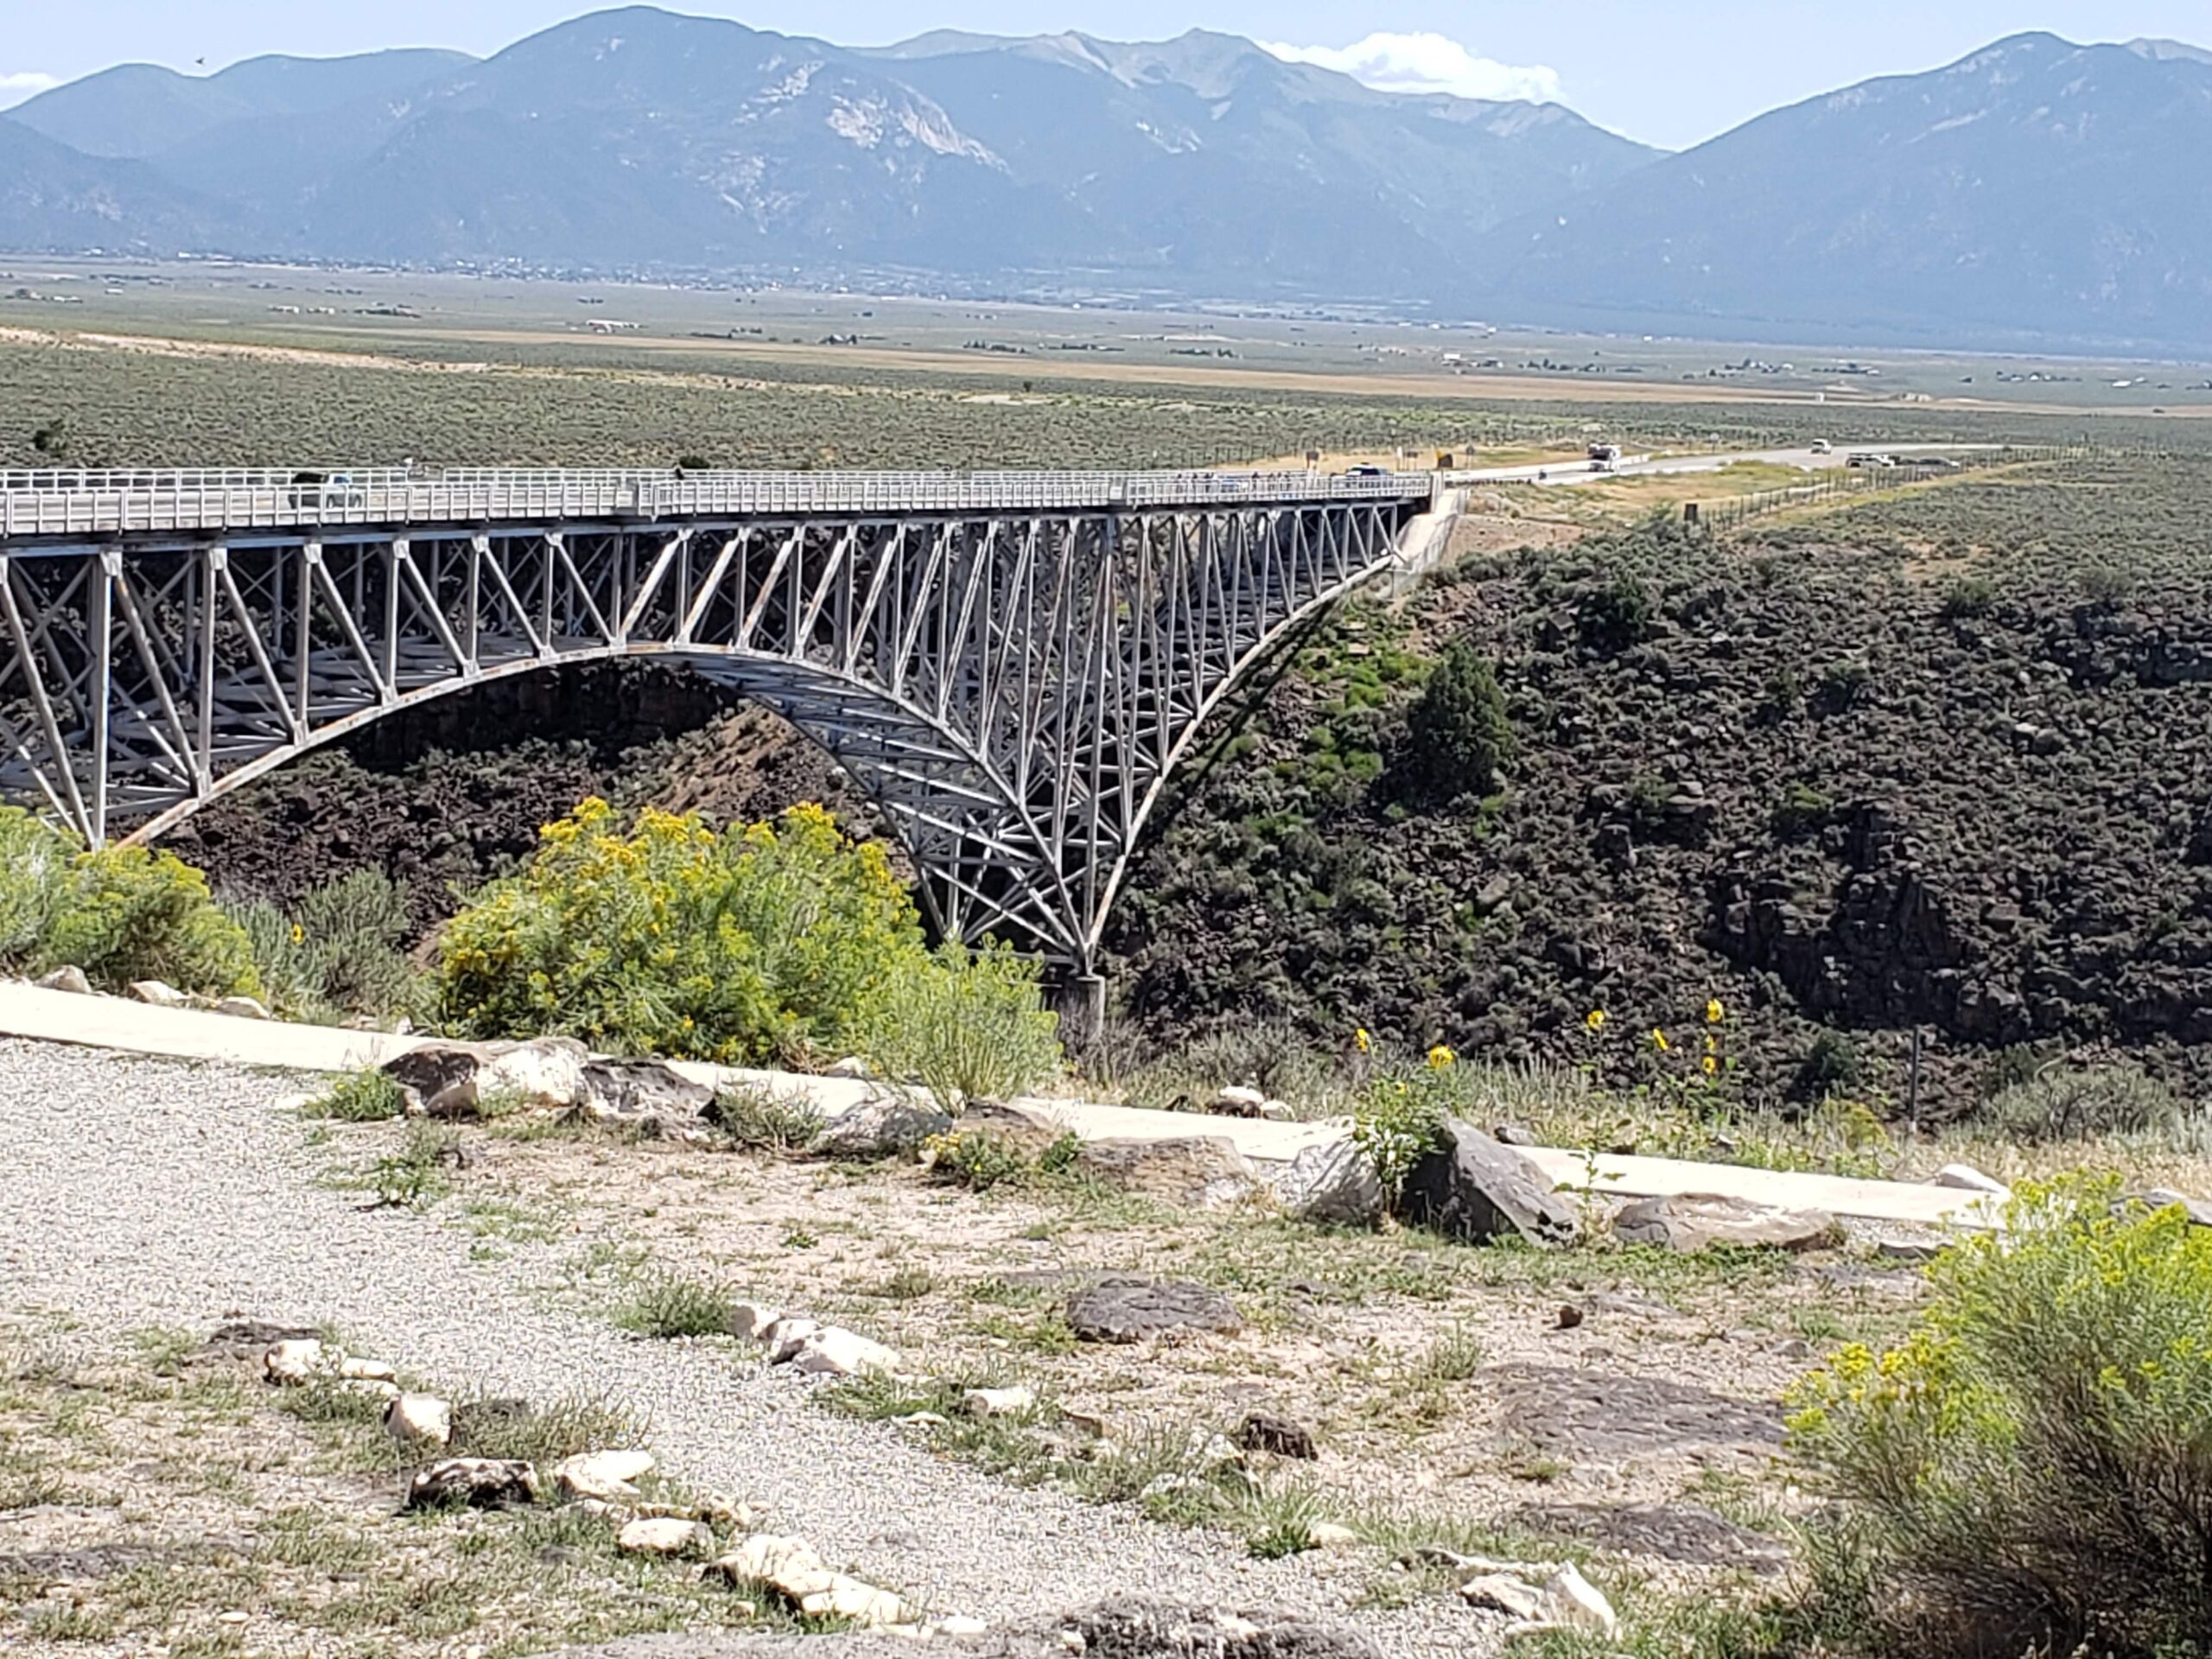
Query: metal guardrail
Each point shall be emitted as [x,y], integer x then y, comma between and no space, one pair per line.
[62,503]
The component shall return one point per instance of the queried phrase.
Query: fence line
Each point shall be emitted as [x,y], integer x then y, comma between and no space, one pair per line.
[1735,509]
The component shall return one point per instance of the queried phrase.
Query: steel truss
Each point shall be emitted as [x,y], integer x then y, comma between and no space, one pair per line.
[1013,688]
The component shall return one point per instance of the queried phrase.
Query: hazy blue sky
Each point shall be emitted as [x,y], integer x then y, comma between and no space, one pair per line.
[1669,71]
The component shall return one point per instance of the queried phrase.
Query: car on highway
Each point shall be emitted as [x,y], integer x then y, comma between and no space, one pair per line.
[1367,469]
[1822,447]
[326,491]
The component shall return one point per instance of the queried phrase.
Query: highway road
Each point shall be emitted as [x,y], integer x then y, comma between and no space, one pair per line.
[1571,471]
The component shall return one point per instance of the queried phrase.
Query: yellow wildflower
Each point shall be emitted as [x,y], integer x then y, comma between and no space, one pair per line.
[298,933]
[1439,1056]
[1659,1039]
[1714,1013]
[1595,1019]
[1712,1064]
[1361,1041]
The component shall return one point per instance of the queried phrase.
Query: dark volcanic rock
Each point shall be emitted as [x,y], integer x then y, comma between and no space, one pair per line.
[1120,1309]
[1262,1431]
[1476,1188]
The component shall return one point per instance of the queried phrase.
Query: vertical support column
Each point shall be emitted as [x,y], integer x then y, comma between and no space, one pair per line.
[203,610]
[303,597]
[395,554]
[100,676]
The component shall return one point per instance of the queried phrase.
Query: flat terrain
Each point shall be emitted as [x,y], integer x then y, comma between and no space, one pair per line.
[1616,1405]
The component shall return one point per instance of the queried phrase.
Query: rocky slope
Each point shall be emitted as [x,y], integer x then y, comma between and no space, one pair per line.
[1943,763]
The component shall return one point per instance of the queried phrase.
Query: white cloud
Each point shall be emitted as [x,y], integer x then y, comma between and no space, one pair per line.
[1426,63]
[28,83]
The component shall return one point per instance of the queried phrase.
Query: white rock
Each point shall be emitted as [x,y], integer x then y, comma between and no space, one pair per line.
[1275,1111]
[1574,1602]
[785,1337]
[997,1402]
[1332,1182]
[607,1475]
[1966,1176]
[366,1370]
[71,979]
[961,1624]
[242,1007]
[1236,1101]
[155,993]
[1502,1593]
[419,1420]
[751,1319]
[294,1360]
[546,1072]
[851,1066]
[665,1534]
[1327,1535]
[835,1352]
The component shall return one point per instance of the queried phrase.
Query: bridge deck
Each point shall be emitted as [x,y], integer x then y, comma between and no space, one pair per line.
[64,504]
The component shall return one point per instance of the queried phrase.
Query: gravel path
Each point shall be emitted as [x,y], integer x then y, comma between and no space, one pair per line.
[142,1191]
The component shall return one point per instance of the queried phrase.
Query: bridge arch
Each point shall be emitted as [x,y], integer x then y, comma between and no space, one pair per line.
[1013,684]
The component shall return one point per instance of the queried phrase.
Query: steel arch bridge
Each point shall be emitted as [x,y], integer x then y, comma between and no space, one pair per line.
[1010,664]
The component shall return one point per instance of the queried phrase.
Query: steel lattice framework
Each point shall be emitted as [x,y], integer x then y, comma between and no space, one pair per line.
[1011,666]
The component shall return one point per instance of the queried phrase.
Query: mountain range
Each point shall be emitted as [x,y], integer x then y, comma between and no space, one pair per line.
[2035,190]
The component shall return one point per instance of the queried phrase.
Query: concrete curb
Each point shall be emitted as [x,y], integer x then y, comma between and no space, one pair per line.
[108,1022]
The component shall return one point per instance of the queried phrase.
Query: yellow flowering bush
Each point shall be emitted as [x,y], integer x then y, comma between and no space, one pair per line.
[119,913]
[2030,1469]
[772,941]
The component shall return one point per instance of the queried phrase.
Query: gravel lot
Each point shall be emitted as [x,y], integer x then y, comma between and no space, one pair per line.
[143,1193]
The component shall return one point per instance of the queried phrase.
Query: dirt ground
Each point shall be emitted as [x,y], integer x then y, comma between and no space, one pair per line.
[1621,1404]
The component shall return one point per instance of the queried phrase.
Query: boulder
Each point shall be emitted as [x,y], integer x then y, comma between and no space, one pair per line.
[665,1534]
[1333,1183]
[1472,1187]
[791,1567]
[785,1337]
[473,1483]
[852,1066]
[1126,1309]
[751,1320]
[419,1420]
[1030,1128]
[366,1371]
[639,1094]
[1193,1171]
[1968,1178]
[155,994]
[2159,1198]
[440,1078]
[71,979]
[1262,1431]
[834,1352]
[1236,1101]
[454,1079]
[1696,1221]
[1565,1600]
[886,1126]
[997,1402]
[242,1007]
[294,1360]
[1504,1593]
[610,1477]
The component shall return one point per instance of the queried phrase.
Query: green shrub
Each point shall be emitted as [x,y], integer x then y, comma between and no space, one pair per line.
[35,859]
[2030,1471]
[965,1025]
[341,952]
[764,943]
[977,1159]
[767,1119]
[1830,1063]
[1802,809]
[367,1096]
[1457,732]
[121,914]
[1399,1120]
[668,1304]
[2070,1103]
[1612,618]
[1969,596]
